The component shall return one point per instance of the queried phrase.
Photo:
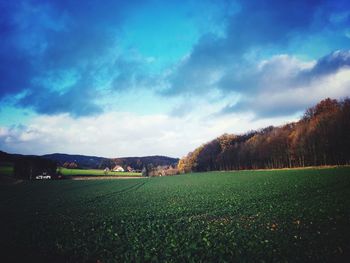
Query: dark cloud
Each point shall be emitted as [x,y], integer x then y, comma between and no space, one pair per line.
[130,73]
[80,100]
[39,37]
[15,68]
[265,110]
[328,64]
[199,71]
[269,22]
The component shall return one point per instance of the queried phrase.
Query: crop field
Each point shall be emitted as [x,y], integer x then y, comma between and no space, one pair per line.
[247,216]
[94,172]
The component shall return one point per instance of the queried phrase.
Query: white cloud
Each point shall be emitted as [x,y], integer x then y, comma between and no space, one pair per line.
[284,85]
[123,134]
[3,132]
[279,88]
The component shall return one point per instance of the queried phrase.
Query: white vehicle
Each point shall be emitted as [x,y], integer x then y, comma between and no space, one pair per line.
[43,177]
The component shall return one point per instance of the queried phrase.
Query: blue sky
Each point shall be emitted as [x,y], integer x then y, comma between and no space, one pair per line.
[122,78]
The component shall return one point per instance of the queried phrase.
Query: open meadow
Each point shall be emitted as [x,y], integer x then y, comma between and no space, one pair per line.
[8,170]
[245,216]
[95,172]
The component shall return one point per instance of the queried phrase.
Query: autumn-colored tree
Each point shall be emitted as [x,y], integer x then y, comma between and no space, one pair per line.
[321,137]
[73,165]
[181,165]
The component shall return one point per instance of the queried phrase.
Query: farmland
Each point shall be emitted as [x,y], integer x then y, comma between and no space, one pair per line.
[8,170]
[94,172]
[247,216]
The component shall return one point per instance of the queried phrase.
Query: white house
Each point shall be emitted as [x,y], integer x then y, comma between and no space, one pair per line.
[118,168]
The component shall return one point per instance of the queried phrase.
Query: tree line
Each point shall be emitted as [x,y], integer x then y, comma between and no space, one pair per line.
[28,167]
[320,137]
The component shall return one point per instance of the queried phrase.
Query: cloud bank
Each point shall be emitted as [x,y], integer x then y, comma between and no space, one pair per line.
[118,134]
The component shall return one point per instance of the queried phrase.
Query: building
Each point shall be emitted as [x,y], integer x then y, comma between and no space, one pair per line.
[118,168]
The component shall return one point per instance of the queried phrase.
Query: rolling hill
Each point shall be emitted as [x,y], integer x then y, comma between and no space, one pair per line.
[95,162]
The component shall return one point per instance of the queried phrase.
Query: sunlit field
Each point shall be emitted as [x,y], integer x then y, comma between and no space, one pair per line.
[247,216]
[8,170]
[94,172]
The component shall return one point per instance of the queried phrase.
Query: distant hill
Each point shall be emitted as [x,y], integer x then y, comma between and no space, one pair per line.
[95,162]
[8,158]
[82,161]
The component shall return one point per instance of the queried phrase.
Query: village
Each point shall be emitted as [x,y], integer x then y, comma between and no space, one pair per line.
[147,170]
[160,170]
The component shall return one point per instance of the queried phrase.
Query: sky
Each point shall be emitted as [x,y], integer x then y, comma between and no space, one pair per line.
[136,78]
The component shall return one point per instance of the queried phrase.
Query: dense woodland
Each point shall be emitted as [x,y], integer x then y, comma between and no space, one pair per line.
[321,137]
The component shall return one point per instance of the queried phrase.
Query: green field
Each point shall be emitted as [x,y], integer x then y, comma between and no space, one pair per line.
[6,169]
[247,216]
[94,172]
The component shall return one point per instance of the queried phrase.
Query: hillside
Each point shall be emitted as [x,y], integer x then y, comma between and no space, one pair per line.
[83,161]
[94,162]
[8,158]
[320,137]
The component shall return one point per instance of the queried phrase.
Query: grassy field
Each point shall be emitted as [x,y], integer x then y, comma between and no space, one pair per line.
[6,169]
[94,172]
[248,216]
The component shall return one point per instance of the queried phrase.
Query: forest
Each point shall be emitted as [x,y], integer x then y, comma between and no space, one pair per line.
[320,137]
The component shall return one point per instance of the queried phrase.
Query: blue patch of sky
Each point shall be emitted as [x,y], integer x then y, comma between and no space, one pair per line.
[138,101]
[11,115]
[165,32]
[334,35]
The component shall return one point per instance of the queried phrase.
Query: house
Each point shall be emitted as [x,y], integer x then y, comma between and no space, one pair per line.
[130,169]
[163,171]
[118,168]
